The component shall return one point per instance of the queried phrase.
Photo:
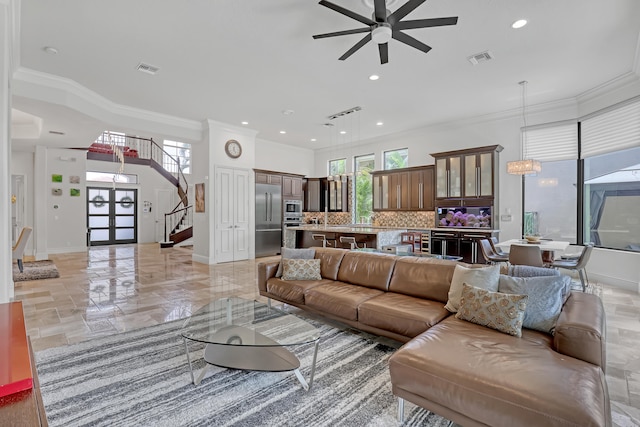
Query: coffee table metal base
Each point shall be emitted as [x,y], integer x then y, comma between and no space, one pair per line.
[275,358]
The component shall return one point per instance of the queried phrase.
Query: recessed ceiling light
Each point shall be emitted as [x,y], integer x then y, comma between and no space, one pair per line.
[519,23]
[245,123]
[313,140]
[379,124]
[374,77]
[287,112]
[342,132]
[51,50]
[283,132]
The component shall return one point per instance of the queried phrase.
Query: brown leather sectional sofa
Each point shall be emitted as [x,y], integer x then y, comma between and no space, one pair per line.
[470,374]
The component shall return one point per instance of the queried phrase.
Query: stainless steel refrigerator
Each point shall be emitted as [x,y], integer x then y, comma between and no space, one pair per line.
[268,219]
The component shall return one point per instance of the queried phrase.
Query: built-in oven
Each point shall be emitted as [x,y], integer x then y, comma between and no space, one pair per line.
[292,208]
[292,221]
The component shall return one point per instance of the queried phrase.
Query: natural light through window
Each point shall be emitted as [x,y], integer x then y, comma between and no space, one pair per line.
[177,153]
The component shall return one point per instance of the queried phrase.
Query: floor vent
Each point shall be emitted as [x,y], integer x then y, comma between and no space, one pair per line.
[146,68]
[480,57]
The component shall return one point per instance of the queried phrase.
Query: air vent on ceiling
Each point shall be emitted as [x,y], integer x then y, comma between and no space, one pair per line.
[480,57]
[344,113]
[146,68]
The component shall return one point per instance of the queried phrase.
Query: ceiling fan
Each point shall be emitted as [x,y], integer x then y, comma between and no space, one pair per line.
[384,26]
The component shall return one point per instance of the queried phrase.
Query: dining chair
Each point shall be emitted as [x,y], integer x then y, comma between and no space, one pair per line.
[489,254]
[525,255]
[497,250]
[578,264]
[21,244]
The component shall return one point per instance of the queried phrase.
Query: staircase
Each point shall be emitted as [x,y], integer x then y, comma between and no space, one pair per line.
[178,224]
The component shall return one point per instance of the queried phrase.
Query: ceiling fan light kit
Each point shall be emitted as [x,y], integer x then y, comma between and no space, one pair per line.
[383,26]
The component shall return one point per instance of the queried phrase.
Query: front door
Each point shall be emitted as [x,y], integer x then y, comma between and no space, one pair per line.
[111,216]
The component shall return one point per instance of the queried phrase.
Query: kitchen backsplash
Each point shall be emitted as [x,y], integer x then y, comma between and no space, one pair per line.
[410,219]
[333,218]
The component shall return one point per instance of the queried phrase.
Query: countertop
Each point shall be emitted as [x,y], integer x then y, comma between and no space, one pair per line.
[346,229]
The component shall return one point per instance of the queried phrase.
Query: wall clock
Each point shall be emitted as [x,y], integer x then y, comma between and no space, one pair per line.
[233,149]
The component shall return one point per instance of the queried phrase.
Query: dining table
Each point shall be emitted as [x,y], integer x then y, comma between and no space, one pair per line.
[549,248]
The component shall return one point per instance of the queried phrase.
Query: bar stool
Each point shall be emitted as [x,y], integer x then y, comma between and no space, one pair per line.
[325,243]
[412,238]
[352,242]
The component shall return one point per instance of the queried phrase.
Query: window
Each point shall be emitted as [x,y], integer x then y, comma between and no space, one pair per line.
[551,196]
[337,167]
[550,201]
[363,166]
[611,200]
[396,159]
[121,178]
[177,153]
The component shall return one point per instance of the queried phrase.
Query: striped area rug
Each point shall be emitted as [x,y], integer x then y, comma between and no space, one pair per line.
[141,378]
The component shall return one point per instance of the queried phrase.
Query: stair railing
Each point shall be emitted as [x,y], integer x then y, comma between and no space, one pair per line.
[182,213]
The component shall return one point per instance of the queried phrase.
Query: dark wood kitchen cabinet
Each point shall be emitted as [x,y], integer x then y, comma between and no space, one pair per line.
[314,195]
[407,189]
[469,173]
[292,187]
[268,178]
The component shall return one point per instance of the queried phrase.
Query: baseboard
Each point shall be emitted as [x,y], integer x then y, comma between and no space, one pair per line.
[614,281]
[201,259]
[66,250]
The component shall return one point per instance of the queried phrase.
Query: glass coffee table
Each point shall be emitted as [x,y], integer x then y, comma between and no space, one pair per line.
[249,335]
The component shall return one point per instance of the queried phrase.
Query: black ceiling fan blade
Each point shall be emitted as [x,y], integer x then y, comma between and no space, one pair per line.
[355,47]
[425,23]
[342,33]
[380,10]
[347,12]
[384,52]
[408,40]
[404,10]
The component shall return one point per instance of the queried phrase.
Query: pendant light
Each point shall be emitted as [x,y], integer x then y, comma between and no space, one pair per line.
[524,166]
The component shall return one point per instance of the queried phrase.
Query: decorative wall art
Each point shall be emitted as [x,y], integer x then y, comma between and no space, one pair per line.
[74,179]
[56,178]
[74,192]
[200,197]
[56,191]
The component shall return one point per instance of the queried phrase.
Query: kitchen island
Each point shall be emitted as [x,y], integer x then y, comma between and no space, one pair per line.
[372,237]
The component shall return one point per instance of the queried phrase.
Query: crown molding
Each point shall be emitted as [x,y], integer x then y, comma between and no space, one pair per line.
[622,82]
[214,124]
[66,92]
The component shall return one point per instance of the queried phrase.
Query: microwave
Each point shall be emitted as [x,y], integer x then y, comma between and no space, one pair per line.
[292,207]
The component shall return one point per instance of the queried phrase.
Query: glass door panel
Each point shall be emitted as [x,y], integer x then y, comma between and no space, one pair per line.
[486,174]
[111,216]
[470,176]
[455,175]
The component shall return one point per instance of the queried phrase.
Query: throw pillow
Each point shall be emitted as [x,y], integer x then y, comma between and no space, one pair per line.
[288,253]
[301,269]
[495,310]
[485,278]
[546,297]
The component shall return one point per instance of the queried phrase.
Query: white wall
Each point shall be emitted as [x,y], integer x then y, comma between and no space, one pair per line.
[22,164]
[283,158]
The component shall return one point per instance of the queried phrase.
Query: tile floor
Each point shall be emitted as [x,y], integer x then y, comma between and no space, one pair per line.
[113,289]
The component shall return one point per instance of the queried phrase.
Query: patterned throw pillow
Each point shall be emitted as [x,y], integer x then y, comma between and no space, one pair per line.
[301,269]
[485,278]
[495,310]
[290,253]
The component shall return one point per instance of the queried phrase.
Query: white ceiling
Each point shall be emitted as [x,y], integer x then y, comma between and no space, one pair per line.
[237,60]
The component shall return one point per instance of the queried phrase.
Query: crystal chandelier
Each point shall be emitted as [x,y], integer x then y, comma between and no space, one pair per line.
[524,166]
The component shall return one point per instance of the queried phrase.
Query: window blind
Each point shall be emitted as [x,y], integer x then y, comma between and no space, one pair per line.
[613,130]
[551,142]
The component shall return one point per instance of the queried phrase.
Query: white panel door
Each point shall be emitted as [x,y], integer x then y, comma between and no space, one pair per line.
[232,214]
[241,215]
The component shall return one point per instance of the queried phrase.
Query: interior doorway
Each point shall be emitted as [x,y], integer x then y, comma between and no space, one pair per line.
[17,206]
[112,216]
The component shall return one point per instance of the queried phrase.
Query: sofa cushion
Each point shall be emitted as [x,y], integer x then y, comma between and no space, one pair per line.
[500,380]
[485,278]
[330,259]
[546,297]
[428,278]
[301,269]
[290,290]
[366,269]
[289,253]
[401,314]
[339,299]
[495,310]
